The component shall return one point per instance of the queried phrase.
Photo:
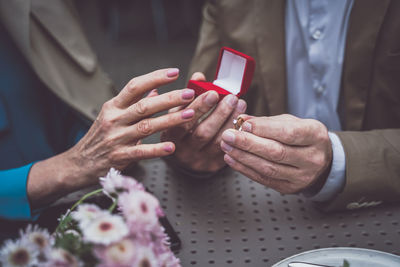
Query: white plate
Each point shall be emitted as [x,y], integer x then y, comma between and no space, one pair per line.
[357,257]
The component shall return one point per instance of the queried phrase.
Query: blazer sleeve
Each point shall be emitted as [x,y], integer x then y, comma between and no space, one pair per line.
[207,50]
[372,169]
[14,203]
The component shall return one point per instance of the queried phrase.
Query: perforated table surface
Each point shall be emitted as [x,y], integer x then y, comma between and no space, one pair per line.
[230,220]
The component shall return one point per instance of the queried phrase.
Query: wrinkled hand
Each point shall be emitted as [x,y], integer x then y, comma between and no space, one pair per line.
[282,152]
[198,141]
[114,138]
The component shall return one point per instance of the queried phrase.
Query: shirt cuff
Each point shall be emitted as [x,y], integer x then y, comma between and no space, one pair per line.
[337,176]
[14,203]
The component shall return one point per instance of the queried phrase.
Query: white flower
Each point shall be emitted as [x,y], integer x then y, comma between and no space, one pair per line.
[19,253]
[139,207]
[86,213]
[105,230]
[145,257]
[40,238]
[115,183]
[61,258]
[121,253]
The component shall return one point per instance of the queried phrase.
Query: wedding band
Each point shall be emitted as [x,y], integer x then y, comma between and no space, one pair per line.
[237,123]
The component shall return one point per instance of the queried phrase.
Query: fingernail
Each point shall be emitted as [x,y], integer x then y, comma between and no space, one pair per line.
[187,94]
[168,148]
[172,72]
[228,136]
[211,99]
[231,100]
[246,126]
[225,147]
[241,106]
[187,114]
[228,159]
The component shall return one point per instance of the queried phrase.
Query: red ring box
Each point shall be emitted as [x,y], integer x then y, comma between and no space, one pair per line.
[234,74]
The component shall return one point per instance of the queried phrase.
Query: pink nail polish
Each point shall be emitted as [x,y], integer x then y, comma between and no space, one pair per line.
[168,148]
[187,114]
[172,72]
[187,94]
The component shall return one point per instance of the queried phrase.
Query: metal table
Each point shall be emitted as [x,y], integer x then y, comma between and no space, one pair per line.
[232,221]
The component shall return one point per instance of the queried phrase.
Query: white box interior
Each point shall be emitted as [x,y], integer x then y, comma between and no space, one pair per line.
[231,72]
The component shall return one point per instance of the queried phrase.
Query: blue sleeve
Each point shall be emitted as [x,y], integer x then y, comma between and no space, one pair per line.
[337,177]
[14,203]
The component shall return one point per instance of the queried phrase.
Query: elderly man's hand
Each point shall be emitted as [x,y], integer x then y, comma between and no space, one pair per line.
[198,141]
[282,152]
[114,138]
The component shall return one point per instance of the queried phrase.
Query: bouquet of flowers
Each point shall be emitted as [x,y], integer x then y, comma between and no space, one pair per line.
[90,236]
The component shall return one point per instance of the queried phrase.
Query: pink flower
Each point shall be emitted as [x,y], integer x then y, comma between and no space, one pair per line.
[105,230]
[61,258]
[87,213]
[146,257]
[168,259]
[115,183]
[139,208]
[119,254]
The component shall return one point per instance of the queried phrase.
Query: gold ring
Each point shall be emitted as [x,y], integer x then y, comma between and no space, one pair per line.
[237,123]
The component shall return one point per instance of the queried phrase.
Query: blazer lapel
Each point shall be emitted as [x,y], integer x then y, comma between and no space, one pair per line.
[365,22]
[54,17]
[15,17]
[270,32]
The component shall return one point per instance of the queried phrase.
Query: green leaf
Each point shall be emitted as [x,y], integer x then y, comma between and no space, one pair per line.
[346,263]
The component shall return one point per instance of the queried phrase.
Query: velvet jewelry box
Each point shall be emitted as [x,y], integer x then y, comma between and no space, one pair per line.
[234,74]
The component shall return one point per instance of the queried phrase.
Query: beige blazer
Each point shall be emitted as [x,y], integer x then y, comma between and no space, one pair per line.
[49,35]
[370,92]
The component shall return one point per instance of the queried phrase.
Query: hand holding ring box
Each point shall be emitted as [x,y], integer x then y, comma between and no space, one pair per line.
[234,74]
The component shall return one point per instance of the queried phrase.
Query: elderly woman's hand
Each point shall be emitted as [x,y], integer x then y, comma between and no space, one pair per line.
[114,138]
[198,141]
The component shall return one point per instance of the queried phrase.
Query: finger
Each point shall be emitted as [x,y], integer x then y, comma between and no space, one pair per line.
[286,129]
[261,165]
[201,105]
[138,86]
[246,117]
[148,151]
[213,146]
[207,129]
[198,76]
[152,93]
[268,149]
[149,126]
[240,108]
[255,176]
[151,105]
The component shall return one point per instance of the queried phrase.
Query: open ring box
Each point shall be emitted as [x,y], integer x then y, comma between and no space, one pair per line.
[234,74]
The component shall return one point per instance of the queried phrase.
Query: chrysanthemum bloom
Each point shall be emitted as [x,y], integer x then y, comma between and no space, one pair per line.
[168,259]
[115,183]
[139,208]
[19,253]
[118,254]
[86,213]
[40,238]
[105,230]
[145,258]
[61,258]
